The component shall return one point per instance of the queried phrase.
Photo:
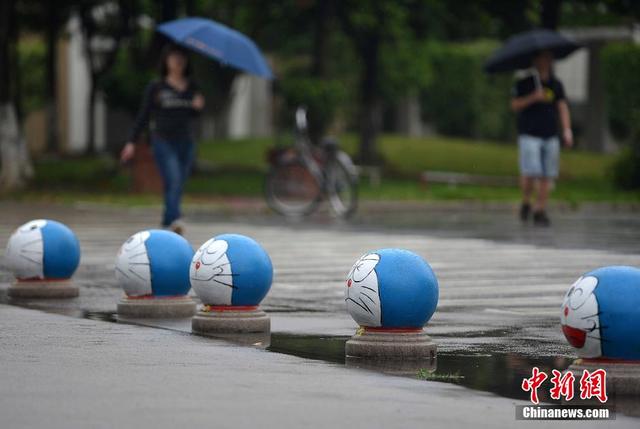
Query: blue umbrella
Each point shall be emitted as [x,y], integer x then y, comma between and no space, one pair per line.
[219,42]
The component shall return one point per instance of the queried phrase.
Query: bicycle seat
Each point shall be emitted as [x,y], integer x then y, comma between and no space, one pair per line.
[329,144]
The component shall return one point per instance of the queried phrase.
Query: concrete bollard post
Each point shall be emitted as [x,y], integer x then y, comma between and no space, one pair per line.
[600,316]
[43,255]
[391,294]
[231,274]
[152,267]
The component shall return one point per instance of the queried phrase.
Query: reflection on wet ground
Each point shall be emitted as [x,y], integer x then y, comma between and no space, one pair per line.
[486,370]
[586,228]
[499,373]
[486,363]
[498,311]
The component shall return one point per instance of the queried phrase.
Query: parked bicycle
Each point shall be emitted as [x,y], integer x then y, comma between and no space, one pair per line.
[304,175]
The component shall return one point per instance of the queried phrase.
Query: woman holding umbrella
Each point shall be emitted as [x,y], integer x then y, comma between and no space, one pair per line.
[169,104]
[540,103]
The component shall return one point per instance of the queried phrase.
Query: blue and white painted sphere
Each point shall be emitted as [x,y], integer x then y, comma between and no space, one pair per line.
[391,288]
[231,269]
[43,249]
[601,314]
[154,263]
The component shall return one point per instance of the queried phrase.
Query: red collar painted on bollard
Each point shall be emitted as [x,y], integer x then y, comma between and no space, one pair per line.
[393,330]
[605,360]
[209,308]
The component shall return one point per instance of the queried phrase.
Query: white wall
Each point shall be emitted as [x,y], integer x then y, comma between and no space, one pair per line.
[78,94]
[573,72]
[250,113]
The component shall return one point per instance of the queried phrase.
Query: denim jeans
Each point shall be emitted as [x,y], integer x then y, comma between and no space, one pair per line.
[174,160]
[539,157]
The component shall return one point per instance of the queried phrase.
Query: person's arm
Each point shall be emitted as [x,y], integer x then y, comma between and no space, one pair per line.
[521,103]
[565,122]
[141,122]
[197,102]
[563,113]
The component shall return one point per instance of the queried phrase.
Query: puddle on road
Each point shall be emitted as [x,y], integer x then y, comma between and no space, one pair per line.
[483,369]
[499,373]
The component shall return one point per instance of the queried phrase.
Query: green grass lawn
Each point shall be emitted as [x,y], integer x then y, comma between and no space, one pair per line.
[239,166]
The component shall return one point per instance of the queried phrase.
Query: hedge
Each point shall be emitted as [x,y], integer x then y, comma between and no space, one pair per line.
[462,100]
[621,75]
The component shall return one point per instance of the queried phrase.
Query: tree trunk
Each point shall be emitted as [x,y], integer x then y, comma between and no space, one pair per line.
[317,125]
[550,14]
[370,104]
[51,77]
[97,69]
[323,13]
[15,166]
[91,119]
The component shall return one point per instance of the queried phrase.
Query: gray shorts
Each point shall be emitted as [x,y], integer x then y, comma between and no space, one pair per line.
[539,157]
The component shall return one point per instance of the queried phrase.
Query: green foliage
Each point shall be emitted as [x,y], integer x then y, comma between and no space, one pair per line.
[626,169]
[123,85]
[240,167]
[429,374]
[322,97]
[404,68]
[620,71]
[32,66]
[461,100]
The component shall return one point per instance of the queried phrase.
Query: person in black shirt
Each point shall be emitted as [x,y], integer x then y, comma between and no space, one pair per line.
[539,101]
[169,106]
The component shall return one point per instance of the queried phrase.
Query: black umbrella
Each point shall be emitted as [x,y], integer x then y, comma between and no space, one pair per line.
[519,50]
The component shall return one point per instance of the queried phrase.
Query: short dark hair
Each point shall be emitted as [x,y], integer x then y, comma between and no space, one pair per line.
[173,49]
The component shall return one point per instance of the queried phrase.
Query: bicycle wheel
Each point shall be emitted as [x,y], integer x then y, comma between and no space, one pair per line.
[342,189]
[291,189]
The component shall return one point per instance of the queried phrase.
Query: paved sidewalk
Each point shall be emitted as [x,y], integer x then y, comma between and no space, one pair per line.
[498,313]
[60,372]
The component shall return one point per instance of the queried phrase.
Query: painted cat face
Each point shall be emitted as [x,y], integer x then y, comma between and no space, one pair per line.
[580,318]
[133,270]
[362,294]
[25,250]
[210,273]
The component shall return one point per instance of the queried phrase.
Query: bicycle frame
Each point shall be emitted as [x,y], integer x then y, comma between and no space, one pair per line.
[304,147]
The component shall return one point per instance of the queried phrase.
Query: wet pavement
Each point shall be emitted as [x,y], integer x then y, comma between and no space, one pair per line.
[501,283]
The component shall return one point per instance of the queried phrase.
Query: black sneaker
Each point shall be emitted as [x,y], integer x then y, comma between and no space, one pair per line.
[525,210]
[540,218]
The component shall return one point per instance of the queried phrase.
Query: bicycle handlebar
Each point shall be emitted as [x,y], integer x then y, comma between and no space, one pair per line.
[301,118]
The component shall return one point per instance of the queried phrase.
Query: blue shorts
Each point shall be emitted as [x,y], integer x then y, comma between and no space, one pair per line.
[539,157]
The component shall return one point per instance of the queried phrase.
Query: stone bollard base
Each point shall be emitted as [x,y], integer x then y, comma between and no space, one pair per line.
[215,320]
[156,308]
[43,289]
[623,378]
[399,344]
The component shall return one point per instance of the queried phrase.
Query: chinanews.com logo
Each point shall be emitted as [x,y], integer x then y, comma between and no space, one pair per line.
[593,389]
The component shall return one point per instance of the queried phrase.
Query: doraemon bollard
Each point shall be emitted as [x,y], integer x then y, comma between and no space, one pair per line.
[600,316]
[231,274]
[43,255]
[391,294]
[152,267]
